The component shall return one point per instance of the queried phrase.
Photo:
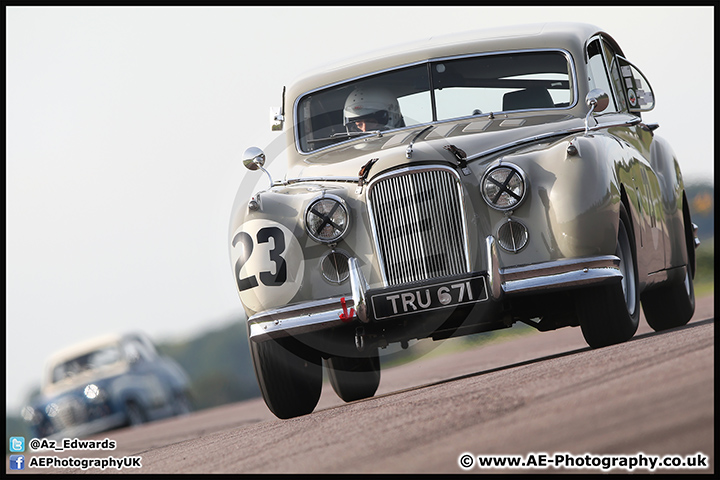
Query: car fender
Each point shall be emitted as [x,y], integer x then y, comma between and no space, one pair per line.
[274,260]
[572,210]
[665,163]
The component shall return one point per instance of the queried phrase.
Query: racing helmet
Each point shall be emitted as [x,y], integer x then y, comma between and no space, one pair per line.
[372,104]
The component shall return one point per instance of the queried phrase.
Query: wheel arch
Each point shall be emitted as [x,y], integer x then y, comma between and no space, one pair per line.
[629,209]
[689,237]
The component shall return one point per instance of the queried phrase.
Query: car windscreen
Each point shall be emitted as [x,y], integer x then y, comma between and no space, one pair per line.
[434,91]
[90,361]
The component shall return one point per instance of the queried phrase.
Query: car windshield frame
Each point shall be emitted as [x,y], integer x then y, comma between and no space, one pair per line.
[436,90]
[90,361]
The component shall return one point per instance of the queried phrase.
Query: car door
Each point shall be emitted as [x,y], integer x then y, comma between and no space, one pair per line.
[143,385]
[630,94]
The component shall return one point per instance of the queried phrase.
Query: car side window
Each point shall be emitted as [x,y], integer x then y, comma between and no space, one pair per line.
[613,67]
[494,83]
[131,351]
[636,88]
[142,349]
[598,73]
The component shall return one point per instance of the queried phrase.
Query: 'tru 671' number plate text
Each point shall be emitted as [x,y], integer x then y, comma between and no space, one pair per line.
[425,298]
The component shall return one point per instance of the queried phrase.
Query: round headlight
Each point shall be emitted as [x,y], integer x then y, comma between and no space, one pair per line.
[92,391]
[503,187]
[327,219]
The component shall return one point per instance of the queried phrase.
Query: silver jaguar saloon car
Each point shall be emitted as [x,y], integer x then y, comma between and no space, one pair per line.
[458,186]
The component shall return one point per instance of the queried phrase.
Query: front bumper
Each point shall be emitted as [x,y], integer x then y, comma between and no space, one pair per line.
[91,427]
[497,283]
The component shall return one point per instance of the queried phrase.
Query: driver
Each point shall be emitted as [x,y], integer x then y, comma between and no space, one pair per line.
[368,109]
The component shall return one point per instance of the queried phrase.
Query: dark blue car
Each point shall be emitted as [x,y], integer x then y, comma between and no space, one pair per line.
[106,383]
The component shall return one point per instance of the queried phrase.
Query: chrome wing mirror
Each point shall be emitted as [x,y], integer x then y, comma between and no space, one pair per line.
[598,101]
[254,159]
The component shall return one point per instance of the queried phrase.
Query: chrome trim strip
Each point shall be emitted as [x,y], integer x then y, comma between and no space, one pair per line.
[290,181]
[560,266]
[545,136]
[493,268]
[518,143]
[560,274]
[562,280]
[358,287]
[409,149]
[297,319]
[306,308]
[261,332]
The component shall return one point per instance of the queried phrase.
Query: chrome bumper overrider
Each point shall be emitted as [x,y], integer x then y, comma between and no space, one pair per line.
[332,312]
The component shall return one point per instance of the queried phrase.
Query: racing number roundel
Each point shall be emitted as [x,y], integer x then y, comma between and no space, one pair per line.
[268,264]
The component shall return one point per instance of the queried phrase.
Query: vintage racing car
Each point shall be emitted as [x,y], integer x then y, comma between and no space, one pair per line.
[105,383]
[453,187]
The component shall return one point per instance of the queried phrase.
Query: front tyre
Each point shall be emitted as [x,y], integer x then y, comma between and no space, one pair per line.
[354,378]
[289,375]
[610,314]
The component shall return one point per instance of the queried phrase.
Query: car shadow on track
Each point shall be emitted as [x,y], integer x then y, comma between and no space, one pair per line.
[637,337]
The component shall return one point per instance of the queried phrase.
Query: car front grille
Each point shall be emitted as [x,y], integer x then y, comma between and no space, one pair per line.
[70,412]
[418,221]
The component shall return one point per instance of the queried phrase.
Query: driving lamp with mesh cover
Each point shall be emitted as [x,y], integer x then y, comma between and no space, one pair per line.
[327,219]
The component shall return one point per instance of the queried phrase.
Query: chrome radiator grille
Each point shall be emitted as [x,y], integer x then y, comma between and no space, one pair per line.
[418,222]
[68,412]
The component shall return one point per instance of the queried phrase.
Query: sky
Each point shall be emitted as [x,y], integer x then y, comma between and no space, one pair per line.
[125,128]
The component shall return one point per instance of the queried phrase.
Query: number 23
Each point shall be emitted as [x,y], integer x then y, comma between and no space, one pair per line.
[267,278]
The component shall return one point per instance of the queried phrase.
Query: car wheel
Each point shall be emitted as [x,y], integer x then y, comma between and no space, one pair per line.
[354,378]
[673,305]
[289,375]
[610,314]
[182,404]
[135,414]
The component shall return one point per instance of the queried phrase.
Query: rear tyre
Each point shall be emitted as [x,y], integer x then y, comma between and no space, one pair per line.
[354,378]
[182,404]
[610,314]
[135,414]
[670,306]
[673,305]
[289,375]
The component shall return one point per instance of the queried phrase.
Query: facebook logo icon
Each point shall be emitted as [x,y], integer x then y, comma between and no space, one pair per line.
[17,462]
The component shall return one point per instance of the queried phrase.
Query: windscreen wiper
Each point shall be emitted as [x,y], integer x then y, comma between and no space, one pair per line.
[356,134]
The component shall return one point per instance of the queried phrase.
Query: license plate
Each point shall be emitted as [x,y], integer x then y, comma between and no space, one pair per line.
[426,298]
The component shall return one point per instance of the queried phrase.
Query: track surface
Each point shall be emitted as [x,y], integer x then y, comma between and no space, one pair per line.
[543,393]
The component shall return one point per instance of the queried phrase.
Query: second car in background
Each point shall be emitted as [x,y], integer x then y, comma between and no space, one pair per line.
[106,383]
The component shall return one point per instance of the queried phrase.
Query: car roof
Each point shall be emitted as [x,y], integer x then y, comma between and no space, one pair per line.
[76,350]
[83,347]
[566,35]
